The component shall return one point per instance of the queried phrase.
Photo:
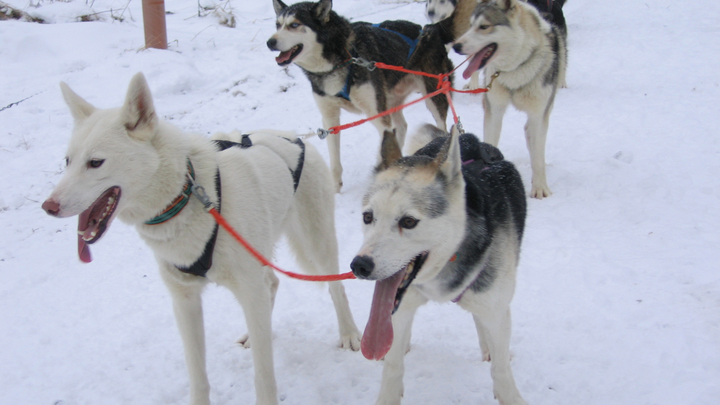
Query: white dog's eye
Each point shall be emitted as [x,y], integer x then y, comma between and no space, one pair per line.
[95,163]
[294,25]
[367,217]
[483,27]
[408,222]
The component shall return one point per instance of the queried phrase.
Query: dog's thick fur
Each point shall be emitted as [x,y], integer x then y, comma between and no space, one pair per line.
[138,164]
[321,43]
[510,38]
[444,224]
[454,18]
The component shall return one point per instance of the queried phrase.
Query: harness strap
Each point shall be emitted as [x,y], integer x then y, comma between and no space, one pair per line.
[411,42]
[349,81]
[345,92]
[201,266]
[204,262]
[177,205]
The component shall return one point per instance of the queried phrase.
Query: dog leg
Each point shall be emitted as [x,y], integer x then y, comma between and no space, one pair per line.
[256,303]
[495,320]
[482,338]
[438,105]
[391,388]
[535,135]
[185,291]
[495,107]
[274,283]
[311,234]
[331,118]
[400,125]
[474,82]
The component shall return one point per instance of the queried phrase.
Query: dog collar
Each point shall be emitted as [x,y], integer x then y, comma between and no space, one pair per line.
[177,205]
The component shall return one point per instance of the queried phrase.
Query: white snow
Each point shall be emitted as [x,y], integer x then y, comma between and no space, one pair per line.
[618,296]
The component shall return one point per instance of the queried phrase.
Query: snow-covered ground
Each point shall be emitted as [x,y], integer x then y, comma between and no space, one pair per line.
[618,296]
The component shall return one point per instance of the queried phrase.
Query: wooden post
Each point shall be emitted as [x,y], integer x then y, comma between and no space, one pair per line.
[154,24]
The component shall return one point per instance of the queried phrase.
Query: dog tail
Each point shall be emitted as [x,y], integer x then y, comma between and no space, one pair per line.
[422,137]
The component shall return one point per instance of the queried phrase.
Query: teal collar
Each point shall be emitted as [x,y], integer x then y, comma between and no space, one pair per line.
[177,205]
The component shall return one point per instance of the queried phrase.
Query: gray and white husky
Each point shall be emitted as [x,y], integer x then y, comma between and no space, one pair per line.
[444,224]
[527,56]
[322,44]
[125,162]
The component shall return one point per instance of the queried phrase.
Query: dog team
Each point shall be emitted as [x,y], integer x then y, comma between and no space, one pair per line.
[443,222]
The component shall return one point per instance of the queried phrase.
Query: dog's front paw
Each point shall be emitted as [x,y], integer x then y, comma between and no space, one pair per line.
[350,341]
[540,192]
[383,401]
[338,186]
[516,400]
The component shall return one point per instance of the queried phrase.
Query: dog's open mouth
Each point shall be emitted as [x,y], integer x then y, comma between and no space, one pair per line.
[378,335]
[479,60]
[286,57]
[93,222]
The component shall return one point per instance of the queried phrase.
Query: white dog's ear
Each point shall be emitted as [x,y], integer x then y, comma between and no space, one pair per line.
[389,150]
[279,6]
[322,10]
[138,110]
[448,160]
[79,108]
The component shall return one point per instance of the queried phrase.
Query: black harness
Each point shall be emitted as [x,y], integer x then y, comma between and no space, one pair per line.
[204,263]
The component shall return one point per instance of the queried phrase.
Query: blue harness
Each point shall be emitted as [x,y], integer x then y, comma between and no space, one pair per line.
[345,92]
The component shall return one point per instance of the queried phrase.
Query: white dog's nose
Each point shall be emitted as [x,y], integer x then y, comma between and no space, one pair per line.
[362,266]
[52,207]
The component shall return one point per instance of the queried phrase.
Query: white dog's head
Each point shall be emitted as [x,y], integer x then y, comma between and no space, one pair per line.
[438,10]
[110,160]
[414,216]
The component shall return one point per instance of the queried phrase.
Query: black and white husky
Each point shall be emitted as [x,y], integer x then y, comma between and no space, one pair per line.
[322,44]
[125,162]
[526,54]
[444,224]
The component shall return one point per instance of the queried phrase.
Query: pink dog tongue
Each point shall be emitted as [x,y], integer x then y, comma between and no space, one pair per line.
[378,335]
[476,62]
[83,248]
[283,56]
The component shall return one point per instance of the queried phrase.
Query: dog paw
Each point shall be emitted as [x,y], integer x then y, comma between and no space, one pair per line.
[540,192]
[486,356]
[351,342]
[244,341]
[338,187]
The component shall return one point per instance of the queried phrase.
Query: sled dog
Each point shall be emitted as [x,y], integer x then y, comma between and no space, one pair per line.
[323,44]
[527,56]
[444,224]
[127,163]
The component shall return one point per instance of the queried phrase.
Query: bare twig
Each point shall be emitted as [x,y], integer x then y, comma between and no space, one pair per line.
[8,12]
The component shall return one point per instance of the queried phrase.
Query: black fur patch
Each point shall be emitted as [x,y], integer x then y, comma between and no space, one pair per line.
[495,202]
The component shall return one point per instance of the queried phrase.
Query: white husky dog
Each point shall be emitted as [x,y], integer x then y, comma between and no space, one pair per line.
[126,162]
